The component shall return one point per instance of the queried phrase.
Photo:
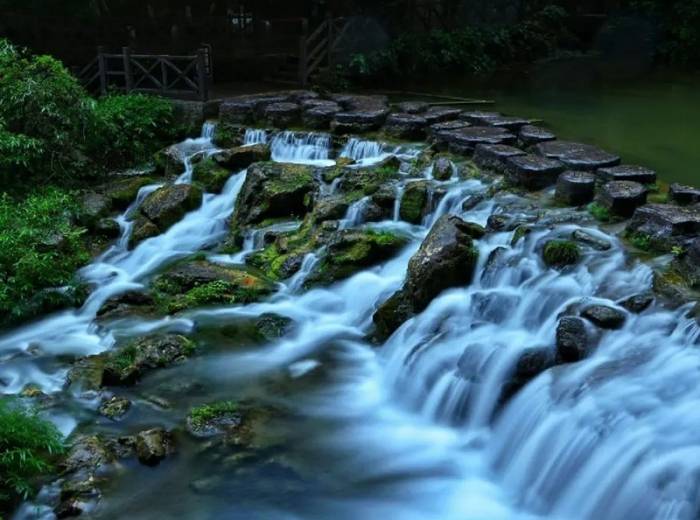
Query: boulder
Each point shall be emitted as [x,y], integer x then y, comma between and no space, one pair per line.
[331,208]
[688,264]
[572,339]
[406,126]
[465,140]
[125,303]
[123,193]
[143,229]
[531,363]
[560,253]
[414,202]
[439,131]
[210,175]
[114,408]
[239,158]
[152,446]
[413,107]
[622,197]
[666,225]
[446,258]
[576,188]
[577,156]
[684,195]
[590,240]
[319,117]
[511,123]
[627,173]
[638,302]
[167,205]
[282,115]
[443,169]
[246,109]
[479,118]
[107,227]
[169,161]
[604,316]
[359,121]
[214,419]
[95,206]
[436,115]
[495,157]
[274,190]
[531,135]
[533,172]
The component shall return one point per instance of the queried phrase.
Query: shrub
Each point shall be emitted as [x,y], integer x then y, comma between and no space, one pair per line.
[40,248]
[28,447]
[560,253]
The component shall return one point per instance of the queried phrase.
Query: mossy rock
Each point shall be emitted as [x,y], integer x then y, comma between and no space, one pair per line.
[169,161]
[227,136]
[213,418]
[414,202]
[168,204]
[366,181]
[123,192]
[353,251]
[210,175]
[198,283]
[561,253]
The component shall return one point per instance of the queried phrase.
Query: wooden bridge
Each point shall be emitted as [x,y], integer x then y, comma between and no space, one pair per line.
[166,75]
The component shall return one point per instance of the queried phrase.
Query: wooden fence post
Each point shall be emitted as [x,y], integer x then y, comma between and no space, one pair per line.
[202,75]
[102,67]
[128,75]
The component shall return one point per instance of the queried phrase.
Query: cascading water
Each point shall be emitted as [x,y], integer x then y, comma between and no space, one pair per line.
[255,136]
[307,148]
[417,429]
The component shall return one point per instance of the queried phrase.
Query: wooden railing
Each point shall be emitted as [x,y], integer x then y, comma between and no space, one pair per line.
[172,76]
[318,49]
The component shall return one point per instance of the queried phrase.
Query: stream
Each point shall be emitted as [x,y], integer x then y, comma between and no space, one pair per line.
[410,429]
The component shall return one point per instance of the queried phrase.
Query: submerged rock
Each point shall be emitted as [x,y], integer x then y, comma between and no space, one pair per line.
[414,202]
[638,303]
[446,258]
[604,317]
[560,253]
[622,197]
[572,339]
[531,363]
[114,408]
[575,188]
[152,446]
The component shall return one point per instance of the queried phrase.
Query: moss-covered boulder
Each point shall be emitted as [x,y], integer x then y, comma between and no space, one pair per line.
[200,283]
[121,193]
[446,258]
[414,202]
[228,136]
[210,175]
[274,190]
[168,204]
[351,251]
[359,182]
[213,418]
[236,159]
[169,161]
[561,253]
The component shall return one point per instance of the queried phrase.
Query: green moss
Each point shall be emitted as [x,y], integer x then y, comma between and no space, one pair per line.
[519,233]
[293,178]
[210,175]
[413,202]
[123,193]
[600,213]
[560,253]
[226,136]
[200,416]
[640,241]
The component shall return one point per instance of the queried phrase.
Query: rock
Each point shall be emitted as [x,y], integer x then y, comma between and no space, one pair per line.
[638,303]
[88,452]
[270,326]
[245,109]
[560,253]
[439,131]
[443,169]
[495,157]
[94,206]
[531,135]
[167,205]
[108,228]
[666,225]
[273,190]
[406,126]
[684,195]
[436,115]
[213,419]
[169,161]
[586,238]
[627,173]
[332,208]
[228,136]
[533,172]
[126,365]
[479,118]
[385,199]
[114,408]
[319,117]
[446,258]
[414,202]
[154,445]
[282,115]
[575,188]
[124,191]
[622,197]
[191,115]
[531,363]
[236,159]
[351,251]
[413,107]
[577,156]
[604,317]
[359,121]
[143,229]
[572,339]
[210,175]
[511,123]
[688,264]
[465,140]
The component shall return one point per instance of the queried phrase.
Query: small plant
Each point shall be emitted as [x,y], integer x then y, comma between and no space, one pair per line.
[677,251]
[600,213]
[641,241]
[201,415]
[560,253]
[29,446]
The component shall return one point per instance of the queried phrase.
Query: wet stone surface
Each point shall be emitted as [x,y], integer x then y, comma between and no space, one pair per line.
[531,135]
[684,195]
[533,172]
[622,197]
[576,188]
[495,156]
[465,140]
[627,173]
[577,156]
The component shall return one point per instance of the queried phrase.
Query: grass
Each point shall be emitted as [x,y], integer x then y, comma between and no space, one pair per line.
[600,213]
[201,415]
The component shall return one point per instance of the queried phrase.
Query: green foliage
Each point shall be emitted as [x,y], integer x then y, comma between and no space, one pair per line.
[641,241]
[470,50]
[560,253]
[28,447]
[600,213]
[40,248]
[201,415]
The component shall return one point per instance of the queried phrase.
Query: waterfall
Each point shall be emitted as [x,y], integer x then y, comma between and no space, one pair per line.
[360,149]
[306,148]
[400,188]
[254,136]
[208,129]
[355,214]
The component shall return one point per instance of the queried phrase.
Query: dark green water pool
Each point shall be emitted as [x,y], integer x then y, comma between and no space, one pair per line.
[653,122]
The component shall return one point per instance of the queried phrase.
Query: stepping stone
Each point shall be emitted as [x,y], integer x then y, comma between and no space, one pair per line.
[495,156]
[664,221]
[465,140]
[604,317]
[282,115]
[626,172]
[359,121]
[511,123]
[441,115]
[533,172]
[576,188]
[406,126]
[684,195]
[622,197]
[531,135]
[413,107]
[438,129]
[319,117]
[359,103]
[478,118]
[577,156]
